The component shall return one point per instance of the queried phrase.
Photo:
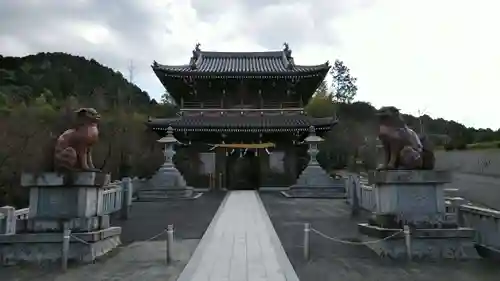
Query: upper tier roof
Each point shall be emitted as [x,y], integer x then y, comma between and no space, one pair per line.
[258,63]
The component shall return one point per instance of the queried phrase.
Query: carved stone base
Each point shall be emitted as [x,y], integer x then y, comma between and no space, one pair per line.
[167,183]
[147,195]
[74,224]
[324,193]
[42,248]
[412,197]
[431,244]
[60,196]
[315,182]
[87,179]
[488,252]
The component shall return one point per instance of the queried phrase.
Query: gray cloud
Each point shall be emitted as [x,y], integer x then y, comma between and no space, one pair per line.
[272,22]
[138,28]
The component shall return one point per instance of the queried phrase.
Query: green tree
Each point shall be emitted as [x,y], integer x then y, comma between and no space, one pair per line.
[166,98]
[320,105]
[322,89]
[343,84]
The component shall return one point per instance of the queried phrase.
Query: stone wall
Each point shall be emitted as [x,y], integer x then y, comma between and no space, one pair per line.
[482,162]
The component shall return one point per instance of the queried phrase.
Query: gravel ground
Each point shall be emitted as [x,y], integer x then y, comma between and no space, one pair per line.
[189,217]
[139,258]
[335,261]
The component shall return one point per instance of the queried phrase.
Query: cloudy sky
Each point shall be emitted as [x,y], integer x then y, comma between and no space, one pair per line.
[440,57]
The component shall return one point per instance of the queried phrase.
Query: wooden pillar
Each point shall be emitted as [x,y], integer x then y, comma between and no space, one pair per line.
[291,163]
[220,168]
[264,166]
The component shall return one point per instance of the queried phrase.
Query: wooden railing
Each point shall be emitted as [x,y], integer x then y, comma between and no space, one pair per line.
[219,105]
[115,197]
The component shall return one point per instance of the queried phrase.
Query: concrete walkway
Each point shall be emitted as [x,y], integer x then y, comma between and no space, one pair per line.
[240,245]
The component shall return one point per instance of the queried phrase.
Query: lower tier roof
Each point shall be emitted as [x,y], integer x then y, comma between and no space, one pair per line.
[252,124]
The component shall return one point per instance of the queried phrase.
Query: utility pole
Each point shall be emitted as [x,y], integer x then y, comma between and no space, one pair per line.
[131,70]
[421,113]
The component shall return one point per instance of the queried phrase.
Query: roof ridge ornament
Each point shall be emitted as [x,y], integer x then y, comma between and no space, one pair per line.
[287,52]
[196,56]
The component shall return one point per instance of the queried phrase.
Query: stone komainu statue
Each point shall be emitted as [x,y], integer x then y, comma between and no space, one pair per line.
[73,147]
[403,148]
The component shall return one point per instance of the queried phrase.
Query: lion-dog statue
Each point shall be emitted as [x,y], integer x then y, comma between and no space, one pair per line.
[73,148]
[403,148]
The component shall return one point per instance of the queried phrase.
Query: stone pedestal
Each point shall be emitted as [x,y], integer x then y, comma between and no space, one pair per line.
[416,199]
[54,196]
[168,182]
[73,200]
[314,181]
[41,248]
[57,202]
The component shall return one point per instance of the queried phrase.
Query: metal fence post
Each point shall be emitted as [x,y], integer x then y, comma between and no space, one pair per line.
[65,247]
[170,242]
[407,233]
[307,230]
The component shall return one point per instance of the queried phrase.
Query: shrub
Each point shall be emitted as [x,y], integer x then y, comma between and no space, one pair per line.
[461,146]
[449,147]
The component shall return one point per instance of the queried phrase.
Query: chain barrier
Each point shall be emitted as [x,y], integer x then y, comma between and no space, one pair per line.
[147,240]
[79,239]
[157,235]
[352,242]
[308,229]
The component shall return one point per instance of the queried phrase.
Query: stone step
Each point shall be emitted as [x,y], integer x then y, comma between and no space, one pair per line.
[315,193]
[164,194]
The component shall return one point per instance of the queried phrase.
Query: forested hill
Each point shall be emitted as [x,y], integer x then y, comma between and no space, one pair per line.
[58,76]
[361,116]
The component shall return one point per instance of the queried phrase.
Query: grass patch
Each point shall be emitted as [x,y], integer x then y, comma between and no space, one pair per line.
[475,146]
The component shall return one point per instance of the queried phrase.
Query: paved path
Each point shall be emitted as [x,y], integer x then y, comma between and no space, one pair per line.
[480,189]
[240,245]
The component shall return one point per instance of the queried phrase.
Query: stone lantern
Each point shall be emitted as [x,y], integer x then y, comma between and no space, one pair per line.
[167,182]
[313,141]
[169,141]
[314,181]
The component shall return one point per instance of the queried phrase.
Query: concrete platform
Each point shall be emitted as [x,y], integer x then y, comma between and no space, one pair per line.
[240,245]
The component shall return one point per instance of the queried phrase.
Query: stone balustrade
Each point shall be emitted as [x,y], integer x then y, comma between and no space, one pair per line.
[367,198]
[112,198]
[358,189]
[486,222]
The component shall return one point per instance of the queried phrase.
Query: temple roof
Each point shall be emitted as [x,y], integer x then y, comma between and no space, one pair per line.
[227,63]
[235,122]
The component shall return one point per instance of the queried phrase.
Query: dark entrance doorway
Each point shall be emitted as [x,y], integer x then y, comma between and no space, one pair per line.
[243,170]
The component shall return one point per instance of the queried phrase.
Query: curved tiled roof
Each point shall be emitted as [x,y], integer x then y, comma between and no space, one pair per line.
[272,62]
[237,123]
